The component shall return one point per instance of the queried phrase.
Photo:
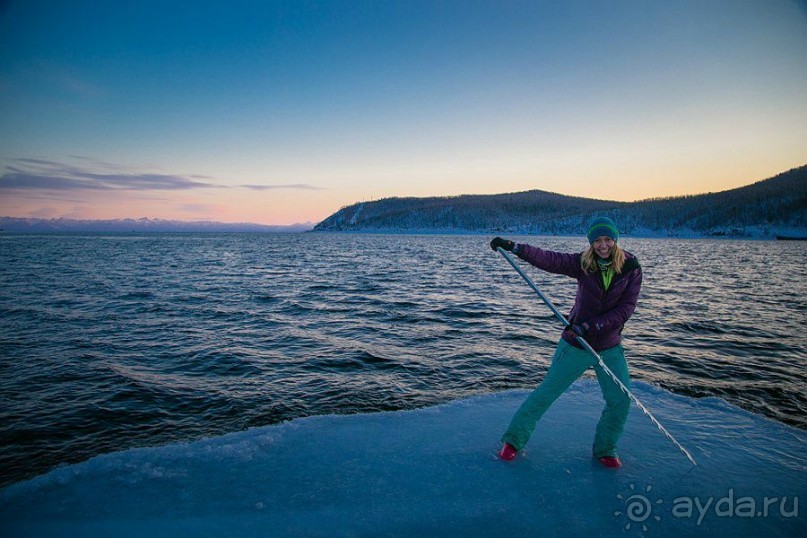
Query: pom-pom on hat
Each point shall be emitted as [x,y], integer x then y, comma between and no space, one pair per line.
[602,226]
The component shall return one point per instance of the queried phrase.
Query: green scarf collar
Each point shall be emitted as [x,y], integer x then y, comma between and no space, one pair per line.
[607,271]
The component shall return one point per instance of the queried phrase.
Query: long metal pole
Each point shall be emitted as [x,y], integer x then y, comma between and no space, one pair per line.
[596,355]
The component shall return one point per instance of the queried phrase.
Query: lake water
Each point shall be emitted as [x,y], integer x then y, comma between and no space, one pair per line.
[109,342]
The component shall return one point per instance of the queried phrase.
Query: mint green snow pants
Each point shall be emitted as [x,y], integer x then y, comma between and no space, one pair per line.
[568,364]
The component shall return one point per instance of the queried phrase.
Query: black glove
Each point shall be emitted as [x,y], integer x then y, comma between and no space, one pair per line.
[579,330]
[504,243]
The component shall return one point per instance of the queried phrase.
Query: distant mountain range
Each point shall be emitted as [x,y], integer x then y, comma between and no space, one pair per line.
[12,224]
[775,206]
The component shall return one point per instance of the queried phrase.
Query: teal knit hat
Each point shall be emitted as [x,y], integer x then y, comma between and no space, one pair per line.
[602,226]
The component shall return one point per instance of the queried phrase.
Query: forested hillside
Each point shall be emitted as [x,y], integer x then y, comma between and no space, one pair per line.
[766,208]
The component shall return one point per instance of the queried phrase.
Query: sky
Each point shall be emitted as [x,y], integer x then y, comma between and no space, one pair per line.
[281,112]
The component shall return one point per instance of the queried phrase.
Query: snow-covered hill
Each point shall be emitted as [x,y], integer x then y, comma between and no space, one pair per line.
[776,206]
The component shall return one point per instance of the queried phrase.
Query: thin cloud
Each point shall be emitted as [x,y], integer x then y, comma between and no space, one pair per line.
[88,174]
[41,174]
[100,163]
[300,186]
[42,162]
[47,197]
[23,181]
[200,208]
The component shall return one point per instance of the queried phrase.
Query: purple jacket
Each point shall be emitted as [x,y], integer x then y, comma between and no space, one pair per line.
[605,311]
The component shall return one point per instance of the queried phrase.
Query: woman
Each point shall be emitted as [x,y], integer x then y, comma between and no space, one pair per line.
[608,284]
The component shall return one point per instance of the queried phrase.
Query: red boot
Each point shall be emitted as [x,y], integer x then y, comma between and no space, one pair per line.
[508,452]
[612,462]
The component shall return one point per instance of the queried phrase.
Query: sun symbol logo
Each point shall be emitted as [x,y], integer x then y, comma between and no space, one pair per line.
[637,507]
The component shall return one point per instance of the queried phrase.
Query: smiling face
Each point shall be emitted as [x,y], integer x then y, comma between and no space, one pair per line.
[603,246]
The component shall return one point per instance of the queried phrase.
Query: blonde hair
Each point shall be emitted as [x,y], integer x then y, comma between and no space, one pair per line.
[589,258]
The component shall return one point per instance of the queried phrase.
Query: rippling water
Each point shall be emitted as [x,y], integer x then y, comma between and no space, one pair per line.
[114,341]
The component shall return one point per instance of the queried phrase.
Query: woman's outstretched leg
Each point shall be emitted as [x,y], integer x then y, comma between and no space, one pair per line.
[617,403]
[568,364]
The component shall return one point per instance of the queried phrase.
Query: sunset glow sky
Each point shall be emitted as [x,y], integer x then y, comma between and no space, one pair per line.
[281,112]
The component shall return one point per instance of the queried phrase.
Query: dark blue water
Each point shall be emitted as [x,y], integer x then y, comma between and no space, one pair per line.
[115,341]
